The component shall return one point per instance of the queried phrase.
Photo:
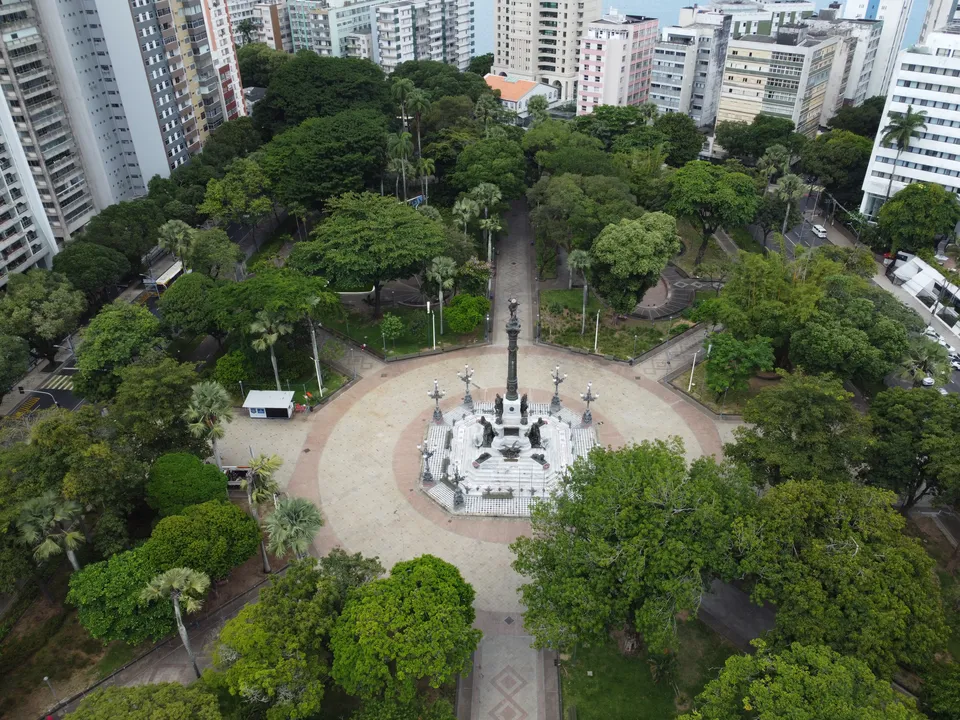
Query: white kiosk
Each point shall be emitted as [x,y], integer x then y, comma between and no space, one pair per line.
[269,403]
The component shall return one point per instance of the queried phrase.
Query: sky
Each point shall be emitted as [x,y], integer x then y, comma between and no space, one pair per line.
[667,11]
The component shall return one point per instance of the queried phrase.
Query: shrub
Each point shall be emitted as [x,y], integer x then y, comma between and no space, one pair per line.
[212,538]
[178,480]
[110,536]
[160,701]
[232,368]
[465,312]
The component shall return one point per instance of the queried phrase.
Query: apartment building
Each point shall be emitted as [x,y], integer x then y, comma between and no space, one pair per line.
[894,15]
[144,82]
[926,77]
[242,15]
[753,17]
[540,41]
[688,63]
[272,25]
[423,30]
[324,27]
[785,76]
[360,45]
[46,196]
[861,39]
[938,14]
[616,58]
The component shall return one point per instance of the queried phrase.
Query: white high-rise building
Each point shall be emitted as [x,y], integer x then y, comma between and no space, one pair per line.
[755,17]
[324,26]
[859,51]
[540,41]
[894,14]
[423,30]
[688,63]
[938,14]
[926,77]
[272,24]
[242,16]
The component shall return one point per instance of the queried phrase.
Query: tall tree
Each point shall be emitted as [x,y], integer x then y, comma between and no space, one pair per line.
[684,140]
[401,89]
[480,64]
[419,103]
[410,629]
[899,131]
[209,408]
[214,254]
[262,487]
[439,79]
[580,261]
[128,227]
[46,526]
[369,240]
[292,526]
[864,119]
[465,209]
[179,480]
[14,361]
[242,196]
[176,237]
[713,197]
[809,681]
[442,272]
[118,336]
[90,267]
[486,195]
[628,258]
[839,159]
[918,216]
[834,559]
[258,62]
[400,147]
[733,362]
[267,329]
[790,188]
[494,160]
[154,701]
[802,428]
[42,308]
[185,306]
[617,511]
[184,588]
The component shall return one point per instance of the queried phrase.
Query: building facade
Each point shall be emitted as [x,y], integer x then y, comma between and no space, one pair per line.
[938,14]
[515,95]
[423,30]
[752,17]
[861,42]
[540,41]
[688,64]
[926,77]
[616,59]
[272,25]
[894,14]
[786,76]
[324,27]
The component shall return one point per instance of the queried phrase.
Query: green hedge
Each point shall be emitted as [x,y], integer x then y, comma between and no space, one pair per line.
[178,480]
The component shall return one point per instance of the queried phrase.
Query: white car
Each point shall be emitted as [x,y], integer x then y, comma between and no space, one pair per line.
[943,391]
[931,333]
[928,382]
[955,364]
[820,231]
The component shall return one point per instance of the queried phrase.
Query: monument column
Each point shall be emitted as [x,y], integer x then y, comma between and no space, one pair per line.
[513,329]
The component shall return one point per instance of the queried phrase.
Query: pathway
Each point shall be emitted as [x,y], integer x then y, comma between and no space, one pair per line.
[515,275]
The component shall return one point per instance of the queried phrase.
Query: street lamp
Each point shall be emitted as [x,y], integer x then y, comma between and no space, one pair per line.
[588,397]
[426,454]
[436,395]
[465,378]
[557,380]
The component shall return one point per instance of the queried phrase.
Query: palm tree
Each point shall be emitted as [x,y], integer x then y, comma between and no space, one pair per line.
[269,326]
[208,410]
[442,271]
[401,90]
[396,166]
[465,209]
[485,195]
[292,527]
[180,585]
[486,109]
[401,147]
[580,260]
[925,358]
[537,107]
[491,226]
[776,159]
[419,103]
[246,28]
[790,187]
[647,112]
[45,523]
[176,237]
[425,168]
[900,131]
[261,486]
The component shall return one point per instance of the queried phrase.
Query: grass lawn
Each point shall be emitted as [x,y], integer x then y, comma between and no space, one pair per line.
[690,237]
[417,331]
[734,401]
[561,320]
[623,688]
[744,240]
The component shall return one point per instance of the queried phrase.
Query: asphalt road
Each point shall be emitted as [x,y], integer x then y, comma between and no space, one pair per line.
[56,389]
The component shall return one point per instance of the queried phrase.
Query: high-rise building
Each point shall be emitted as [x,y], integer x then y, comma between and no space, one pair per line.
[755,17]
[938,14]
[926,77]
[242,16]
[45,195]
[616,57]
[324,26]
[894,14]
[861,38]
[540,41]
[272,24]
[785,76]
[423,30]
[688,64]
[144,82]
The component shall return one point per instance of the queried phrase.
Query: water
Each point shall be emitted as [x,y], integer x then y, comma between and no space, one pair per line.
[668,12]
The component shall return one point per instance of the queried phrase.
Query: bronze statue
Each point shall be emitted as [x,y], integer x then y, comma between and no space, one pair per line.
[534,433]
[498,408]
[488,432]
[523,404]
[513,304]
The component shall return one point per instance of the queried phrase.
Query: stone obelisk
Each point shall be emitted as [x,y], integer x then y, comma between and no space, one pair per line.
[513,329]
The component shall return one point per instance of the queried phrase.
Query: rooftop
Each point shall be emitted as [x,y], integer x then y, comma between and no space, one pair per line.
[510,90]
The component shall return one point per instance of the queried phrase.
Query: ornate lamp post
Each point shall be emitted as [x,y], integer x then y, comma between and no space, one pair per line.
[588,397]
[465,378]
[436,395]
[557,379]
[426,454]
[458,499]
[513,329]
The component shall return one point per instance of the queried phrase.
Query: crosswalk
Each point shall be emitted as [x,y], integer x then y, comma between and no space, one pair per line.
[59,382]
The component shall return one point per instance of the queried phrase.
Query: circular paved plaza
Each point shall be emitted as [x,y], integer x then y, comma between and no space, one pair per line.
[360,463]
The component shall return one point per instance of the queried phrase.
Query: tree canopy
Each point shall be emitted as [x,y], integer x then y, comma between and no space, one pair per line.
[42,308]
[440,79]
[178,480]
[258,62]
[14,361]
[834,559]
[90,267]
[153,701]
[918,216]
[410,628]
[493,160]
[629,256]
[863,119]
[748,141]
[128,227]
[185,306]
[631,539]
[839,159]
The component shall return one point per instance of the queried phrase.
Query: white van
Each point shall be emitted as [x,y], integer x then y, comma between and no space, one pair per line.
[820,231]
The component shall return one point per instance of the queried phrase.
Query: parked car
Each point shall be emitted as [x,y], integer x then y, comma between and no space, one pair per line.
[931,333]
[820,231]
[928,382]
[955,363]
[942,391]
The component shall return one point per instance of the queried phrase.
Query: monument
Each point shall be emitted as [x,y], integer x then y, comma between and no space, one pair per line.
[502,467]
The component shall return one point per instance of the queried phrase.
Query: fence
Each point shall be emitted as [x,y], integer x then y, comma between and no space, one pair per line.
[209,622]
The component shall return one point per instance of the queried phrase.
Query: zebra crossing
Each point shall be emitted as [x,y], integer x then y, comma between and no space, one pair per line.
[59,382]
